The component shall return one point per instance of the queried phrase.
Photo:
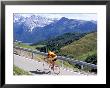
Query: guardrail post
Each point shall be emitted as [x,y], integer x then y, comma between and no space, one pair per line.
[21,52]
[82,66]
[32,55]
[62,63]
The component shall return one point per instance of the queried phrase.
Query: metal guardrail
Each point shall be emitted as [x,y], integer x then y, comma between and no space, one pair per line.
[70,60]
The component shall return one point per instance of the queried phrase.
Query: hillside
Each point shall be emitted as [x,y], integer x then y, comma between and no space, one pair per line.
[33,29]
[82,48]
[19,71]
[59,41]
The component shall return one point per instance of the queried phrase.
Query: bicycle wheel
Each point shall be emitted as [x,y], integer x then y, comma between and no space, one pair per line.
[45,66]
[56,69]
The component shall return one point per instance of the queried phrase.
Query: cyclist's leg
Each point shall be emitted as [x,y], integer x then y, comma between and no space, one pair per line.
[53,63]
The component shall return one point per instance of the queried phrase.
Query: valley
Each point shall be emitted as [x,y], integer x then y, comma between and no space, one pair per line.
[73,38]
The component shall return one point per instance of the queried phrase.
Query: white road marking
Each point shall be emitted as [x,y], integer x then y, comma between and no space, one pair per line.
[32,66]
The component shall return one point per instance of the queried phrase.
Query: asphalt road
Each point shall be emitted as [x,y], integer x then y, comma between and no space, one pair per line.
[36,68]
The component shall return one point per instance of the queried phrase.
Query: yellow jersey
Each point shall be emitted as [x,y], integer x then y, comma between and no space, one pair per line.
[51,54]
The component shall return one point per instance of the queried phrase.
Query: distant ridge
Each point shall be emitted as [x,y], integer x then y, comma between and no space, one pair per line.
[27,33]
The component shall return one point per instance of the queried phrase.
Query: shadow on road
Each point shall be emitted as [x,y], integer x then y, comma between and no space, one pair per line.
[40,72]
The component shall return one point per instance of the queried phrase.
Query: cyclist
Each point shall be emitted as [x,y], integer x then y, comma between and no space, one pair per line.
[52,57]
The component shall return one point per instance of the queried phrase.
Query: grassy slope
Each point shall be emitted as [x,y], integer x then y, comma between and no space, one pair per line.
[19,71]
[28,46]
[59,41]
[81,48]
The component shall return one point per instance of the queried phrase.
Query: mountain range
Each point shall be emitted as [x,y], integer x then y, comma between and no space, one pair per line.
[34,29]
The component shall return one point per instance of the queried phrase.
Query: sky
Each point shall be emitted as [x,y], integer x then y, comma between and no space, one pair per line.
[80,16]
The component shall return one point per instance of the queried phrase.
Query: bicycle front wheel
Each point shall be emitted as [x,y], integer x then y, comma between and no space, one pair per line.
[56,69]
[45,66]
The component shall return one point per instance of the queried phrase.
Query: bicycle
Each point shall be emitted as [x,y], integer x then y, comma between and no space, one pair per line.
[47,65]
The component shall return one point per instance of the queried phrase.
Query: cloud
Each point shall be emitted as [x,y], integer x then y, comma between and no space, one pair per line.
[80,16]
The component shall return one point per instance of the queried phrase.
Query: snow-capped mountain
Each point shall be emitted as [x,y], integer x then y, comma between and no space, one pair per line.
[18,19]
[33,21]
[37,28]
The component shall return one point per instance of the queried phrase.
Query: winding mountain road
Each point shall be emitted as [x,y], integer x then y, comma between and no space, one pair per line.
[36,68]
